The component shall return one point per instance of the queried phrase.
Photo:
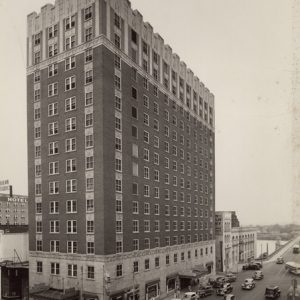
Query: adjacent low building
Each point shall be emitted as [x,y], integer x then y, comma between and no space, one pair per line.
[234,244]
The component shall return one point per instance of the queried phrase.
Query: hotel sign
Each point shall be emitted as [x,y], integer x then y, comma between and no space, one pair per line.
[15,199]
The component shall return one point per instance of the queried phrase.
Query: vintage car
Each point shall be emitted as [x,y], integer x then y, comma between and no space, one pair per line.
[248,284]
[257,275]
[272,291]
[226,289]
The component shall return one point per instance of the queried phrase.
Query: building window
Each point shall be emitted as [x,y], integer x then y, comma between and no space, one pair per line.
[52,109]
[90,248]
[70,144]
[37,57]
[72,246]
[70,63]
[70,22]
[88,76]
[71,206]
[89,120]
[53,128]
[39,227]
[90,226]
[52,31]
[52,89]
[89,141]
[88,13]
[117,62]
[88,55]
[90,184]
[53,187]
[89,162]
[70,42]
[54,246]
[39,267]
[71,226]
[71,186]
[135,267]
[70,83]
[53,168]
[119,270]
[39,245]
[37,76]
[37,95]
[156,262]
[52,50]
[88,34]
[70,104]
[54,206]
[117,41]
[54,226]
[70,124]
[147,264]
[90,205]
[135,228]
[88,98]
[54,267]
[72,270]
[91,272]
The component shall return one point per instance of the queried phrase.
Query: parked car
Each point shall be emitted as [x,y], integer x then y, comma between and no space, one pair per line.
[226,289]
[217,282]
[190,296]
[272,291]
[204,291]
[230,277]
[248,284]
[229,297]
[252,266]
[257,275]
[259,264]
[279,260]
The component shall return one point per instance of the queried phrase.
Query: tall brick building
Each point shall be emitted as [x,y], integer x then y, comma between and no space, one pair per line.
[120,157]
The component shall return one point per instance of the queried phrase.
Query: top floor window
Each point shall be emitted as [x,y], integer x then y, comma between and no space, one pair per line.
[117,21]
[37,38]
[70,22]
[88,13]
[52,31]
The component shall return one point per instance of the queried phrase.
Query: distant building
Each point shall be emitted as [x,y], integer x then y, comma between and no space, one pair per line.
[233,244]
[121,156]
[13,210]
[234,220]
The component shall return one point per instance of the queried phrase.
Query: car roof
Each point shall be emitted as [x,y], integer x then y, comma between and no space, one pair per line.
[189,293]
[271,287]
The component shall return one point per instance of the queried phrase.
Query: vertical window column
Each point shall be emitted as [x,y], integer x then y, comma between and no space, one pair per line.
[118,164]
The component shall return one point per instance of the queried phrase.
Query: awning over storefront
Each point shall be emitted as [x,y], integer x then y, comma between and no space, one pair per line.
[151,282]
[200,270]
[210,263]
[172,275]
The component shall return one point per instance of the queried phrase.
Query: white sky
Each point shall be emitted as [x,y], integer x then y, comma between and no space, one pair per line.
[241,50]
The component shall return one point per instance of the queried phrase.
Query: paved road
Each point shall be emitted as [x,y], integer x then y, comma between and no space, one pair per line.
[273,274]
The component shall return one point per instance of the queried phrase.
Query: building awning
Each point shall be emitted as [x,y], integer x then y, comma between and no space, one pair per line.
[89,295]
[52,294]
[209,264]
[200,270]
[172,275]
[152,282]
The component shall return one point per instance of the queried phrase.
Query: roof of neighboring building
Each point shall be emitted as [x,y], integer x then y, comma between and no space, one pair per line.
[14,228]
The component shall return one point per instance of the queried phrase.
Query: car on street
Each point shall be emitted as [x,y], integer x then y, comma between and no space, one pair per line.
[251,266]
[205,291]
[259,264]
[279,260]
[226,289]
[190,296]
[230,277]
[217,282]
[229,297]
[248,284]
[257,275]
[272,291]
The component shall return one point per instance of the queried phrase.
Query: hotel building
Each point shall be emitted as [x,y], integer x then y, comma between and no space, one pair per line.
[120,157]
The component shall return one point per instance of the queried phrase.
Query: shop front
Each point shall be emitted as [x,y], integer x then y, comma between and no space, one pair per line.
[126,294]
[152,289]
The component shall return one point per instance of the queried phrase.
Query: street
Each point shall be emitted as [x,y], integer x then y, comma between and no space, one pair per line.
[274,274]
